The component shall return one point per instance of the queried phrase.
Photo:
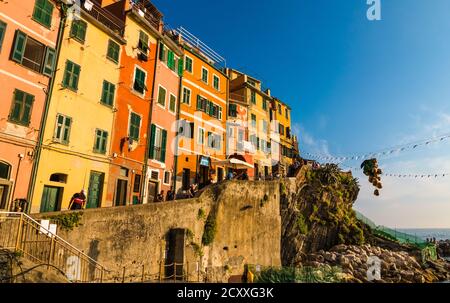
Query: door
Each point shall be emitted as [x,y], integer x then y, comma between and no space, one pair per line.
[186,179]
[95,189]
[266,171]
[121,192]
[4,191]
[204,176]
[51,198]
[219,174]
[152,191]
[256,171]
[175,253]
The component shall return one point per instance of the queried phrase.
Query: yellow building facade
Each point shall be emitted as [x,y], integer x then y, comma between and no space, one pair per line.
[250,90]
[75,153]
[283,137]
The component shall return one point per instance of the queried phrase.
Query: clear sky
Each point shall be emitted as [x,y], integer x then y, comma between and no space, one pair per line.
[354,85]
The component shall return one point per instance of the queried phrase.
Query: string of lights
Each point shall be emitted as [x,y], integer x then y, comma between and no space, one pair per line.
[381,153]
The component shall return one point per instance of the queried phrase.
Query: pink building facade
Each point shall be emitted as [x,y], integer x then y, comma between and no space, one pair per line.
[165,105]
[28,38]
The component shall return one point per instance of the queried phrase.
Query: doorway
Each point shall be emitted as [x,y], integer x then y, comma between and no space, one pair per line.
[219,174]
[186,179]
[204,176]
[4,194]
[175,254]
[95,189]
[51,199]
[256,172]
[152,191]
[121,192]
[266,171]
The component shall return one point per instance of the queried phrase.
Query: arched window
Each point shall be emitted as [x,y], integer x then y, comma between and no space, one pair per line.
[5,170]
[62,178]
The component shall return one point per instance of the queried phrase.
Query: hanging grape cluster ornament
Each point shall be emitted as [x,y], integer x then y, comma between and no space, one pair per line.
[370,169]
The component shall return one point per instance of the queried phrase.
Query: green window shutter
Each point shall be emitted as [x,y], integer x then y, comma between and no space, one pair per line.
[26,117]
[163,145]
[180,67]
[49,63]
[152,142]
[172,103]
[199,102]
[113,51]
[162,96]
[17,105]
[43,11]
[20,42]
[170,60]
[78,30]
[66,79]
[135,123]
[139,81]
[2,33]
[104,141]
[76,76]
[66,134]
[108,91]
[161,52]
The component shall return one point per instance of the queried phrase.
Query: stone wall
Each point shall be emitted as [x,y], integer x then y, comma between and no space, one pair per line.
[248,230]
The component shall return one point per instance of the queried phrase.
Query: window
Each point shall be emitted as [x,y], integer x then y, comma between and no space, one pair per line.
[162,96]
[288,132]
[101,138]
[62,129]
[143,42]
[137,183]
[5,170]
[281,130]
[42,13]
[108,93]
[254,140]
[265,126]
[33,54]
[162,52]
[216,82]
[21,108]
[2,33]
[279,109]
[232,110]
[287,113]
[186,95]
[172,103]
[78,30]
[71,75]
[154,175]
[209,107]
[214,140]
[135,126]
[201,136]
[139,81]
[253,121]
[170,60]
[113,51]
[264,104]
[188,64]
[166,177]
[253,96]
[205,75]
[158,141]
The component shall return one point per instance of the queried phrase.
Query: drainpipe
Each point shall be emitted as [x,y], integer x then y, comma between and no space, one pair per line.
[149,126]
[62,25]
[21,156]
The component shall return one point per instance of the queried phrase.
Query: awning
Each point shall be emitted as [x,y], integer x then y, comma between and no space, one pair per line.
[233,163]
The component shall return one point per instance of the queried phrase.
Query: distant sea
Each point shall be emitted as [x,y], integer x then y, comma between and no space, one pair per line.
[424,233]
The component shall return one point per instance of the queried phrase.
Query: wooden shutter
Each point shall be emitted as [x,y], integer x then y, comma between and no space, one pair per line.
[49,63]
[152,141]
[29,99]
[20,41]
[163,145]
[180,67]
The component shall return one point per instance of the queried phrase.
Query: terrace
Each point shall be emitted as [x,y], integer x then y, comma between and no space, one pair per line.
[148,11]
[93,9]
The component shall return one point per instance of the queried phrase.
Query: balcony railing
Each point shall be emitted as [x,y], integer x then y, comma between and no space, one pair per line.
[148,11]
[103,16]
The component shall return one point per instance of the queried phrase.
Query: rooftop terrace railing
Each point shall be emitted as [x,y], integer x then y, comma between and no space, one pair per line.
[103,16]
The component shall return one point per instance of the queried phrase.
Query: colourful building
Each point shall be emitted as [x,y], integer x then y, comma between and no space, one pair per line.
[282,136]
[249,90]
[134,100]
[203,115]
[28,38]
[76,149]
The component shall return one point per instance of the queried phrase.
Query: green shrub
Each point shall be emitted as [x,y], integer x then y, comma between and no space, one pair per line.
[67,221]
[198,251]
[210,230]
[201,214]
[301,225]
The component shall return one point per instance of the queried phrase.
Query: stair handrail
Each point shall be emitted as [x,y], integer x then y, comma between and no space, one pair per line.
[50,234]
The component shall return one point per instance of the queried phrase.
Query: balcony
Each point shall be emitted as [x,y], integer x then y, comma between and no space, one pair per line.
[237,98]
[103,16]
[148,11]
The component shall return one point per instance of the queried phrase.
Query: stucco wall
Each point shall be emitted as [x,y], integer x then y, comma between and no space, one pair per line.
[248,232]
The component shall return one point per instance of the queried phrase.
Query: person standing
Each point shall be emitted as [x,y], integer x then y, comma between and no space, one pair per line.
[78,200]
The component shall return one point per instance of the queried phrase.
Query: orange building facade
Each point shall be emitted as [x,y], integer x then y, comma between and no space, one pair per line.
[133,106]
[203,115]
[28,35]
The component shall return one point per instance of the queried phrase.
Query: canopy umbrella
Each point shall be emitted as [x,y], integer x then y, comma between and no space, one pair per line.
[233,163]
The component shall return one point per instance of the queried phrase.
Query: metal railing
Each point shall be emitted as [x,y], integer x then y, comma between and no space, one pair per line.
[22,234]
[104,17]
[145,12]
[201,47]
